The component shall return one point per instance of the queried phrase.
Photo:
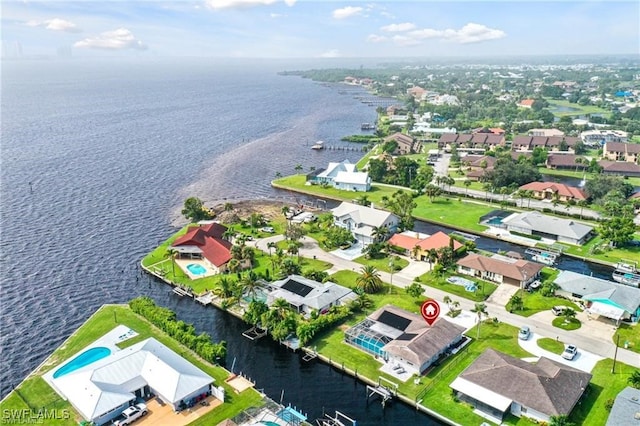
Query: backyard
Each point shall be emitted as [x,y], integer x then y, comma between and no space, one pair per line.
[483,291]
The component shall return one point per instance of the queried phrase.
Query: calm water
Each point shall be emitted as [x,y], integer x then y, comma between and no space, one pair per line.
[96,161]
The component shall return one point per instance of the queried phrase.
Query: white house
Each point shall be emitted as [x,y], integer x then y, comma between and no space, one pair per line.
[306,295]
[102,389]
[343,175]
[362,220]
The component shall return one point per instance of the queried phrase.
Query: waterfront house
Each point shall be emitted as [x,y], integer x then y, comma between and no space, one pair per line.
[418,246]
[626,408]
[499,269]
[497,384]
[618,302]
[101,390]
[619,168]
[363,220]
[620,151]
[555,228]
[305,295]
[404,339]
[204,243]
[405,144]
[566,161]
[551,191]
[343,175]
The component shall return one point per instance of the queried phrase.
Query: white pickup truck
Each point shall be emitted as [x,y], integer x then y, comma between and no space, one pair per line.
[131,414]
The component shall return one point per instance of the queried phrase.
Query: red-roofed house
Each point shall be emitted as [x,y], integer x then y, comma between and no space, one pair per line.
[549,190]
[418,248]
[205,243]
[500,270]
[526,103]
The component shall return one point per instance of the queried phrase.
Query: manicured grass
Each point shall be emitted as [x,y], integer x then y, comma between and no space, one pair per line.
[635,181]
[478,186]
[603,386]
[628,333]
[615,255]
[579,109]
[551,345]
[382,264]
[448,211]
[377,150]
[484,290]
[35,393]
[568,324]
[535,302]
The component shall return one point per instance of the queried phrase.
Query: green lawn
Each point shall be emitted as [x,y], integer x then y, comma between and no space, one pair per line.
[551,345]
[382,264]
[628,334]
[604,386]
[635,181]
[478,186]
[535,302]
[377,150]
[35,393]
[484,290]
[448,211]
[596,249]
[568,324]
[579,109]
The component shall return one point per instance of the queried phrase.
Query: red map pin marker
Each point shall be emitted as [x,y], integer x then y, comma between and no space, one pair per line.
[430,311]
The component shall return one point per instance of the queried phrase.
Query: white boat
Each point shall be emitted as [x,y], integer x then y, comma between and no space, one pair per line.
[318,145]
[626,267]
[545,258]
[627,278]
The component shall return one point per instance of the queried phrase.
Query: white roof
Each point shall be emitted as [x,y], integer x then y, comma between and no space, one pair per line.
[548,224]
[359,178]
[110,382]
[481,394]
[606,310]
[334,168]
[362,214]
[321,295]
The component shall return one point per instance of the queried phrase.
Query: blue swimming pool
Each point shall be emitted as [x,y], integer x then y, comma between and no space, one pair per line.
[259,296]
[495,221]
[85,358]
[370,344]
[196,269]
[268,423]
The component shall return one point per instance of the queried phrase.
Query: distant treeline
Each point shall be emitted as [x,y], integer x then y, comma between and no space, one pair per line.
[361,138]
[165,319]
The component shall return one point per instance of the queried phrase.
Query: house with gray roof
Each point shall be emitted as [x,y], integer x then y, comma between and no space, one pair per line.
[404,339]
[497,384]
[626,408]
[305,295]
[362,220]
[606,298]
[555,228]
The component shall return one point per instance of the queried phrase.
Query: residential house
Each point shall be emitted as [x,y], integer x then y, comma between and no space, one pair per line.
[477,162]
[101,390]
[405,144]
[416,91]
[526,103]
[600,137]
[602,297]
[418,246]
[204,242]
[498,384]
[556,144]
[404,339]
[552,191]
[489,130]
[343,175]
[620,151]
[619,168]
[555,228]
[567,162]
[305,295]
[546,132]
[362,221]
[500,269]
[464,142]
[626,408]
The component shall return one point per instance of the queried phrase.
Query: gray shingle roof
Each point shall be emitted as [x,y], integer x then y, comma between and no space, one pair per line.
[626,408]
[320,295]
[548,224]
[546,386]
[590,288]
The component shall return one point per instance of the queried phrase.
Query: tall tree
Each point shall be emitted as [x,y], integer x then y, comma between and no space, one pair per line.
[480,309]
[195,210]
[402,204]
[617,230]
[369,280]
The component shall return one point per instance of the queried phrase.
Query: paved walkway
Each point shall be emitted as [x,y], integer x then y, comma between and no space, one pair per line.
[583,360]
[592,336]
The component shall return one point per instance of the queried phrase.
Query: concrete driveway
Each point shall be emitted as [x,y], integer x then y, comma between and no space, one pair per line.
[584,360]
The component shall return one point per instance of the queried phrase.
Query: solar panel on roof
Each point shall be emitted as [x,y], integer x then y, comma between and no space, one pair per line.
[297,288]
[393,320]
[406,336]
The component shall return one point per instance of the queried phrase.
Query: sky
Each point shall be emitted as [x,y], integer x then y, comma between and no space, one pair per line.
[319,29]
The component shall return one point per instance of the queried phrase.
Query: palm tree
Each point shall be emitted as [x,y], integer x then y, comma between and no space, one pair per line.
[433,257]
[504,191]
[228,207]
[522,193]
[447,300]
[229,234]
[432,191]
[634,379]
[467,184]
[293,248]
[363,200]
[379,233]
[480,309]
[568,314]
[271,245]
[369,280]
[516,302]
[415,252]
[529,195]
[582,204]
[285,210]
[298,168]
[250,284]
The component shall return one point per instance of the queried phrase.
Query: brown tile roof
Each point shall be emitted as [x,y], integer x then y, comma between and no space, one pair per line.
[495,140]
[463,137]
[566,160]
[546,386]
[478,173]
[476,160]
[400,138]
[554,141]
[619,167]
[521,141]
[448,137]
[479,138]
[559,188]
[515,270]
[629,148]
[517,154]
[538,141]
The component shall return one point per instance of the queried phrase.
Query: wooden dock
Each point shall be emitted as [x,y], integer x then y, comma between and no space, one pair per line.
[206,298]
[182,292]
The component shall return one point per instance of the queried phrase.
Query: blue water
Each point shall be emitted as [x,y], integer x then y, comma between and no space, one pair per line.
[196,269]
[495,221]
[85,358]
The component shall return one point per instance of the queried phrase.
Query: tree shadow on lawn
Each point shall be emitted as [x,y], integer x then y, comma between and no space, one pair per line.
[587,404]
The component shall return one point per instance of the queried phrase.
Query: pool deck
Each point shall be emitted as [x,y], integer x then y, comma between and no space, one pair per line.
[183,263]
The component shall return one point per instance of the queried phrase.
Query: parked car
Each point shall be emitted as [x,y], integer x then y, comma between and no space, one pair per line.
[570,352]
[559,310]
[268,229]
[131,414]
[524,332]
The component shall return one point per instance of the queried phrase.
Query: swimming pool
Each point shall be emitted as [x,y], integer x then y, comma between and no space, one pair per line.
[196,269]
[370,344]
[495,221]
[259,296]
[85,358]
[268,423]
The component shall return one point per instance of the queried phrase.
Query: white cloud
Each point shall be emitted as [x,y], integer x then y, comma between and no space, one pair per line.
[474,33]
[56,24]
[231,4]
[346,12]
[469,33]
[333,53]
[374,38]
[119,39]
[392,28]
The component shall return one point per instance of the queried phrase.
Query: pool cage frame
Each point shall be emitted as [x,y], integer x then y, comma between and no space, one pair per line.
[354,336]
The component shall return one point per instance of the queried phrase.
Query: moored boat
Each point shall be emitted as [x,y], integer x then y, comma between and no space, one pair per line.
[318,145]
[627,278]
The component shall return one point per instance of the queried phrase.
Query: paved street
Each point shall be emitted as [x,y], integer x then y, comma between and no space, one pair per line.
[594,336]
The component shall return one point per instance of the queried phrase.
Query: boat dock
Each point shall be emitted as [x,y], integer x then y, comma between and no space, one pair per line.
[339,419]
[254,333]
[182,292]
[206,298]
